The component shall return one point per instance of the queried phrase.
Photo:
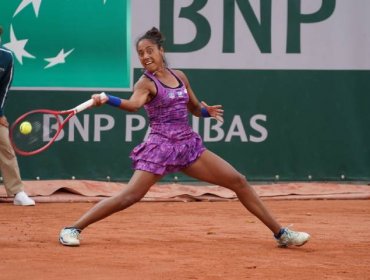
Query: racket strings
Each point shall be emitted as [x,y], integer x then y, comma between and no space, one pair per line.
[43,128]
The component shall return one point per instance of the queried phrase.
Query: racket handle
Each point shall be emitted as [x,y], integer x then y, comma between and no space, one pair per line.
[103,95]
[87,104]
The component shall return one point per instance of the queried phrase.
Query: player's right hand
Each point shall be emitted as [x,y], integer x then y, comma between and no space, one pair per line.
[99,99]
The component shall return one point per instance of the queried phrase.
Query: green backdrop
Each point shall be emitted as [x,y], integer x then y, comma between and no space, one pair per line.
[317,123]
[294,124]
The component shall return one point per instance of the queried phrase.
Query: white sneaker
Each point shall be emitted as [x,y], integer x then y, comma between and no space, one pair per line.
[23,199]
[290,237]
[70,236]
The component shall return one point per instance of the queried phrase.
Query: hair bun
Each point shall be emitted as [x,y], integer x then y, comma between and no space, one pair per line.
[156,34]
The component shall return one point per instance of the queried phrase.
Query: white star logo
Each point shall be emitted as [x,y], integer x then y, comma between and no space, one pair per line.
[35,3]
[17,47]
[60,58]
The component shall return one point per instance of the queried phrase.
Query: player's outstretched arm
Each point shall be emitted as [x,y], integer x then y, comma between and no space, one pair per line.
[214,111]
[140,96]
[200,109]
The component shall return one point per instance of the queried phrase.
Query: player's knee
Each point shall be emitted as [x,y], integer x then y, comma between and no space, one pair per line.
[128,200]
[239,182]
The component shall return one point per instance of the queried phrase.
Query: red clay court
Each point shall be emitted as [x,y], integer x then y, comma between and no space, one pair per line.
[210,237]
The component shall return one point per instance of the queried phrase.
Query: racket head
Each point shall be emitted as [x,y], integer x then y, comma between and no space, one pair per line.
[46,126]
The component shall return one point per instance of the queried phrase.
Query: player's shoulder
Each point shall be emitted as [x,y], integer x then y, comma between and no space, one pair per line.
[144,82]
[181,75]
[179,72]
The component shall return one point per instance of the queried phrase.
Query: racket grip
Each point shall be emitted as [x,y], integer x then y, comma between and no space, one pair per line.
[84,106]
[103,95]
[88,103]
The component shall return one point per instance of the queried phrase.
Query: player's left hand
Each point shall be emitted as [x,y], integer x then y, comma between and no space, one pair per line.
[215,111]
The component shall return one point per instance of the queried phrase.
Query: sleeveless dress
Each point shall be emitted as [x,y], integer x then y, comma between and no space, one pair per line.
[172,144]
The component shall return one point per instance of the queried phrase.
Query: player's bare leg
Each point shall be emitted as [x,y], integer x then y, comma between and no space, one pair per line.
[213,169]
[137,187]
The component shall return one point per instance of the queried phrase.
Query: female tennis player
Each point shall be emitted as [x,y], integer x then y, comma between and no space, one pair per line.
[172,146]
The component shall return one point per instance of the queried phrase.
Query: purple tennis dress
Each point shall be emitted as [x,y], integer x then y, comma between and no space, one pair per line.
[172,144]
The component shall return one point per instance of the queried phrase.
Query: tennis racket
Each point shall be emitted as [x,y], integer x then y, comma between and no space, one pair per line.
[43,127]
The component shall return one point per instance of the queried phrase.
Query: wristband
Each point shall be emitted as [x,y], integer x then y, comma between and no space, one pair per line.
[113,100]
[204,113]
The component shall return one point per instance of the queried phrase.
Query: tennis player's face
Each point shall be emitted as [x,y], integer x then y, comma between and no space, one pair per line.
[151,57]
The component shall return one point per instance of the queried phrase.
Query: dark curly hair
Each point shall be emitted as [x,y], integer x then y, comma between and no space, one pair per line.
[154,35]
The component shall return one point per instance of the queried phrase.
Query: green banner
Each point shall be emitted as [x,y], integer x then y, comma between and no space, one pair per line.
[66,45]
[297,125]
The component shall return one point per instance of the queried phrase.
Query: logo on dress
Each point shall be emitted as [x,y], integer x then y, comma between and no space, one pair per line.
[178,94]
[171,95]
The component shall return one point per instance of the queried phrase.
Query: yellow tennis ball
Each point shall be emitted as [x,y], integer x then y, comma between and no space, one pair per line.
[25,128]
